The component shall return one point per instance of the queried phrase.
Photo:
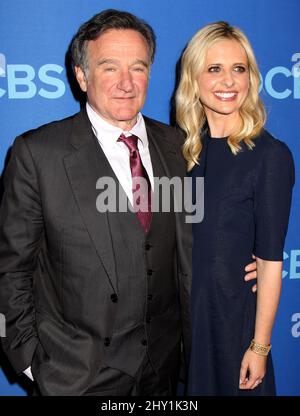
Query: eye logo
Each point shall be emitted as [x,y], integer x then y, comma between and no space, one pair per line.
[285,257]
[278,78]
[2,71]
[2,65]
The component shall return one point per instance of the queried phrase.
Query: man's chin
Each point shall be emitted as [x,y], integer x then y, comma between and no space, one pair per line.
[127,118]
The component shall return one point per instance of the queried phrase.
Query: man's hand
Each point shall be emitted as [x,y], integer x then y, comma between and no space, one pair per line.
[251,270]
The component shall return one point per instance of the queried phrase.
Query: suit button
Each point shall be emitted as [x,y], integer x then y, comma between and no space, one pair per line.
[149,272]
[114,298]
[144,342]
[150,297]
[106,341]
[148,246]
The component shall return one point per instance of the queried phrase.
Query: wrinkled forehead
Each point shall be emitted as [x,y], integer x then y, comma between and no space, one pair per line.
[116,41]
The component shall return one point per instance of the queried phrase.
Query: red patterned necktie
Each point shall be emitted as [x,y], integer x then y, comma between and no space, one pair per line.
[143,187]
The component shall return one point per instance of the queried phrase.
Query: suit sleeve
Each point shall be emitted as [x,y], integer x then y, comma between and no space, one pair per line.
[21,228]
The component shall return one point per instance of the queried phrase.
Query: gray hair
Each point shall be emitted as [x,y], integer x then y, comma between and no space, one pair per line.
[102,22]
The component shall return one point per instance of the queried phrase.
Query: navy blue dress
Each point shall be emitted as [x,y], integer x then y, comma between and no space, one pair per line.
[247,201]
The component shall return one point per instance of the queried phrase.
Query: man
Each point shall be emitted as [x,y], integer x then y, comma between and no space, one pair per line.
[96,302]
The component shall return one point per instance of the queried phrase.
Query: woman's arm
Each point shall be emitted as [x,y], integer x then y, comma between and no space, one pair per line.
[269,280]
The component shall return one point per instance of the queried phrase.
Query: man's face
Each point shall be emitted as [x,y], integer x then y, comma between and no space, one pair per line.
[117,77]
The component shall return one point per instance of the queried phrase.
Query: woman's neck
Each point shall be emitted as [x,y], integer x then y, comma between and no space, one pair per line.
[222,125]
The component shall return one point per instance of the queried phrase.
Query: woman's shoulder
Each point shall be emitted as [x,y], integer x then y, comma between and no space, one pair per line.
[270,146]
[276,157]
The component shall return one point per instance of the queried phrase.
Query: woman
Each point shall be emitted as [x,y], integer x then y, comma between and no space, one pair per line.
[248,184]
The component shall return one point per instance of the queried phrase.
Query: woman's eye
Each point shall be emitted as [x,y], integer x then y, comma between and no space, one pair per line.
[240,68]
[214,69]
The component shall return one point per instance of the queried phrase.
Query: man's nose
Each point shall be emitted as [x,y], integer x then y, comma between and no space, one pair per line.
[125,82]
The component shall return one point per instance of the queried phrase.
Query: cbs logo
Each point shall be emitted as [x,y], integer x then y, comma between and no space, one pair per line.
[293,261]
[23,80]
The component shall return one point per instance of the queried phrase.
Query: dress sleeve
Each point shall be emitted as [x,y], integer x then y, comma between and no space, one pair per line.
[272,200]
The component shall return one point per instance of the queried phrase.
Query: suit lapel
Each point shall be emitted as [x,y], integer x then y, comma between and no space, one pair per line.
[166,149]
[83,170]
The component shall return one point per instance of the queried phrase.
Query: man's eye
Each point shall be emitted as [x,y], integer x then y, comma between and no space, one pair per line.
[139,69]
[214,69]
[109,69]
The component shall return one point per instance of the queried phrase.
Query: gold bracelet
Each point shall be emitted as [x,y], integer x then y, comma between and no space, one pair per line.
[260,349]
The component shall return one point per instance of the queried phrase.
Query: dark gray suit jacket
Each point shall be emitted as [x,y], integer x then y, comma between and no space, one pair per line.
[50,231]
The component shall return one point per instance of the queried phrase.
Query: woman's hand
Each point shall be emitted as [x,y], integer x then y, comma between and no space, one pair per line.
[253,370]
[251,270]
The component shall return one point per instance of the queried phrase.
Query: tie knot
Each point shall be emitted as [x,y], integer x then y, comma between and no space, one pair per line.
[130,141]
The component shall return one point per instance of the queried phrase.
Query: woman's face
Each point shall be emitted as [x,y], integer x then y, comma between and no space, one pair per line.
[224,82]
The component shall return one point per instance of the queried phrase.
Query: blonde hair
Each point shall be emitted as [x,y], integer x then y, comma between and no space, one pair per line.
[190,113]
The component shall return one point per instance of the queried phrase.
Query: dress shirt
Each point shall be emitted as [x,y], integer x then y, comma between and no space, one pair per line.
[117,153]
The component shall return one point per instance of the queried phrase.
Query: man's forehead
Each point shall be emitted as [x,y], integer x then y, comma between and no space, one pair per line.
[115,36]
[120,42]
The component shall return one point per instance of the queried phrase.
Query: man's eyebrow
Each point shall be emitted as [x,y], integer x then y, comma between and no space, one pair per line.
[115,62]
[107,61]
[141,62]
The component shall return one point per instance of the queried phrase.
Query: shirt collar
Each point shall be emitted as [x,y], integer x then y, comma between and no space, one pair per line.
[107,133]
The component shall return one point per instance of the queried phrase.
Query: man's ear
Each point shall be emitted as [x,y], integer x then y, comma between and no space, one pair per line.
[81,78]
